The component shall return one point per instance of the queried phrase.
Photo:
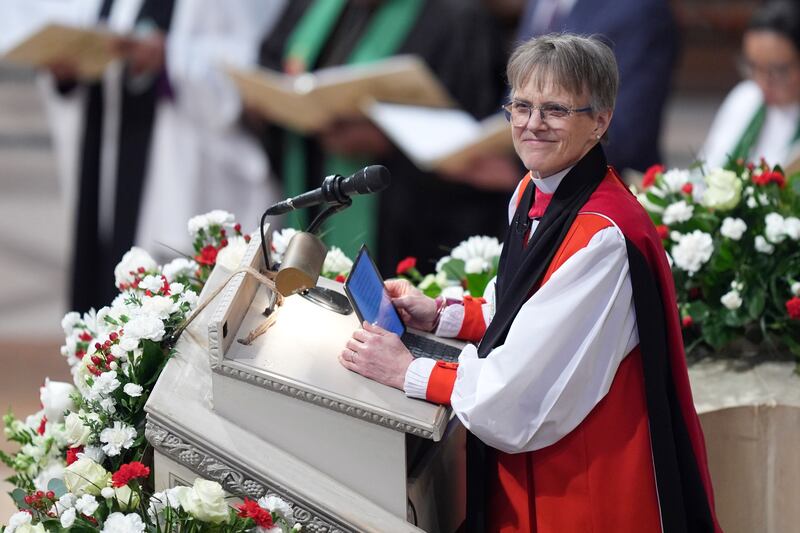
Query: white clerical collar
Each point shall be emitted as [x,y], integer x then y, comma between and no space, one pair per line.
[549,184]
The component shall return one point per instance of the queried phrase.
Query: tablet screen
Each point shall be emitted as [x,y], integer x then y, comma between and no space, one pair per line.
[369,297]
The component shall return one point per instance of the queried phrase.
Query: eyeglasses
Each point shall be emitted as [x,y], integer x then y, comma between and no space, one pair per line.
[775,73]
[519,113]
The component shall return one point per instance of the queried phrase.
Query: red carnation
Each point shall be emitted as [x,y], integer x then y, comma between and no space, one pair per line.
[207,256]
[340,278]
[687,188]
[251,509]
[127,472]
[406,264]
[663,231]
[770,176]
[649,177]
[72,454]
[687,321]
[793,308]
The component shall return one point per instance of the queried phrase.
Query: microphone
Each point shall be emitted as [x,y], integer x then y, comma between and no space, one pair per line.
[337,189]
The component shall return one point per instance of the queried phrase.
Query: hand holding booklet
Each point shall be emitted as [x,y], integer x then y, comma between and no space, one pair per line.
[444,140]
[310,102]
[90,50]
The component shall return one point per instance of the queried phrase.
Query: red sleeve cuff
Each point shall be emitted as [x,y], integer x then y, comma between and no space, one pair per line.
[441,383]
[473,327]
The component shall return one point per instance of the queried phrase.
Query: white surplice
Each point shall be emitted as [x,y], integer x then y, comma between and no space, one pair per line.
[561,353]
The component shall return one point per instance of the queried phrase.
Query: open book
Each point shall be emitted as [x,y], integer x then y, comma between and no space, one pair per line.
[309,102]
[440,139]
[88,48]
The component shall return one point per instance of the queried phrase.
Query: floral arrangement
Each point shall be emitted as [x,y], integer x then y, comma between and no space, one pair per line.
[467,270]
[732,237]
[80,466]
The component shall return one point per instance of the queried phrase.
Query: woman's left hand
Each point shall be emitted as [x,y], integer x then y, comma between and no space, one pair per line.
[377,354]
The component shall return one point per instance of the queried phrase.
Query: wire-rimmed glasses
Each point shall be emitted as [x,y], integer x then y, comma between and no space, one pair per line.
[519,113]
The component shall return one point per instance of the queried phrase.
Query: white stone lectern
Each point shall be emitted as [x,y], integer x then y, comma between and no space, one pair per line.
[282,416]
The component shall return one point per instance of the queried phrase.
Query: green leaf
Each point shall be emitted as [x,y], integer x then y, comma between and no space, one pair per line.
[454,269]
[150,362]
[476,283]
[698,310]
[57,486]
[755,304]
[18,495]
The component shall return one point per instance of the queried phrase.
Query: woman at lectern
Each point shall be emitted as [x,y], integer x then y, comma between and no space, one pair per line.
[576,397]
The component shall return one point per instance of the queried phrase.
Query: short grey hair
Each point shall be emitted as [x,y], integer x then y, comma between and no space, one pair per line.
[572,62]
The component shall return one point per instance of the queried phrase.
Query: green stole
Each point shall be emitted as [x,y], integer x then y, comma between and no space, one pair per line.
[750,137]
[385,33]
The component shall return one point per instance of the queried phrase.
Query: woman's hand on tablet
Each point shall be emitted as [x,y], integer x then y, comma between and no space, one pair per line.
[377,354]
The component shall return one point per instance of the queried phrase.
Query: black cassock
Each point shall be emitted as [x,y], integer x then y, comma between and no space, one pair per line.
[421,214]
[95,256]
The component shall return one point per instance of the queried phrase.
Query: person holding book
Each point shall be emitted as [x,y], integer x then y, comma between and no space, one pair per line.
[421,213]
[760,117]
[576,397]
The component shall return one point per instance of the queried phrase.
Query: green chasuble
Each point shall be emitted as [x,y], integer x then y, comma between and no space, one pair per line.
[385,33]
[744,147]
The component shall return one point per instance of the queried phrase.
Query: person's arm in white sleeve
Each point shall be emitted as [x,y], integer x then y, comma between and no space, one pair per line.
[560,356]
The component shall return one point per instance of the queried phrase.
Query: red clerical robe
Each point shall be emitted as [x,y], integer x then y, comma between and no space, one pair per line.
[608,473]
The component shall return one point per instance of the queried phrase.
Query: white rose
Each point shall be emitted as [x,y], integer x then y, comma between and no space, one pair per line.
[791,227]
[724,190]
[732,300]
[336,262]
[133,390]
[796,288]
[231,256]
[56,399]
[693,251]
[126,498]
[84,476]
[763,246]
[131,262]
[775,228]
[205,501]
[78,433]
[117,437]
[678,212]
[123,523]
[733,228]
[179,267]
[145,327]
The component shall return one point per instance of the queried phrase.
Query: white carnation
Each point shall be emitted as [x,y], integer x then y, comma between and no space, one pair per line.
[751,203]
[69,322]
[179,267]
[732,300]
[145,327]
[476,265]
[68,518]
[477,246]
[151,283]
[157,306]
[18,519]
[733,228]
[674,180]
[775,228]
[275,504]
[678,212]
[134,259]
[791,227]
[692,251]
[117,437]
[86,505]
[231,256]
[218,217]
[336,262]
[123,523]
[133,390]
[103,385]
[763,246]
[796,288]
